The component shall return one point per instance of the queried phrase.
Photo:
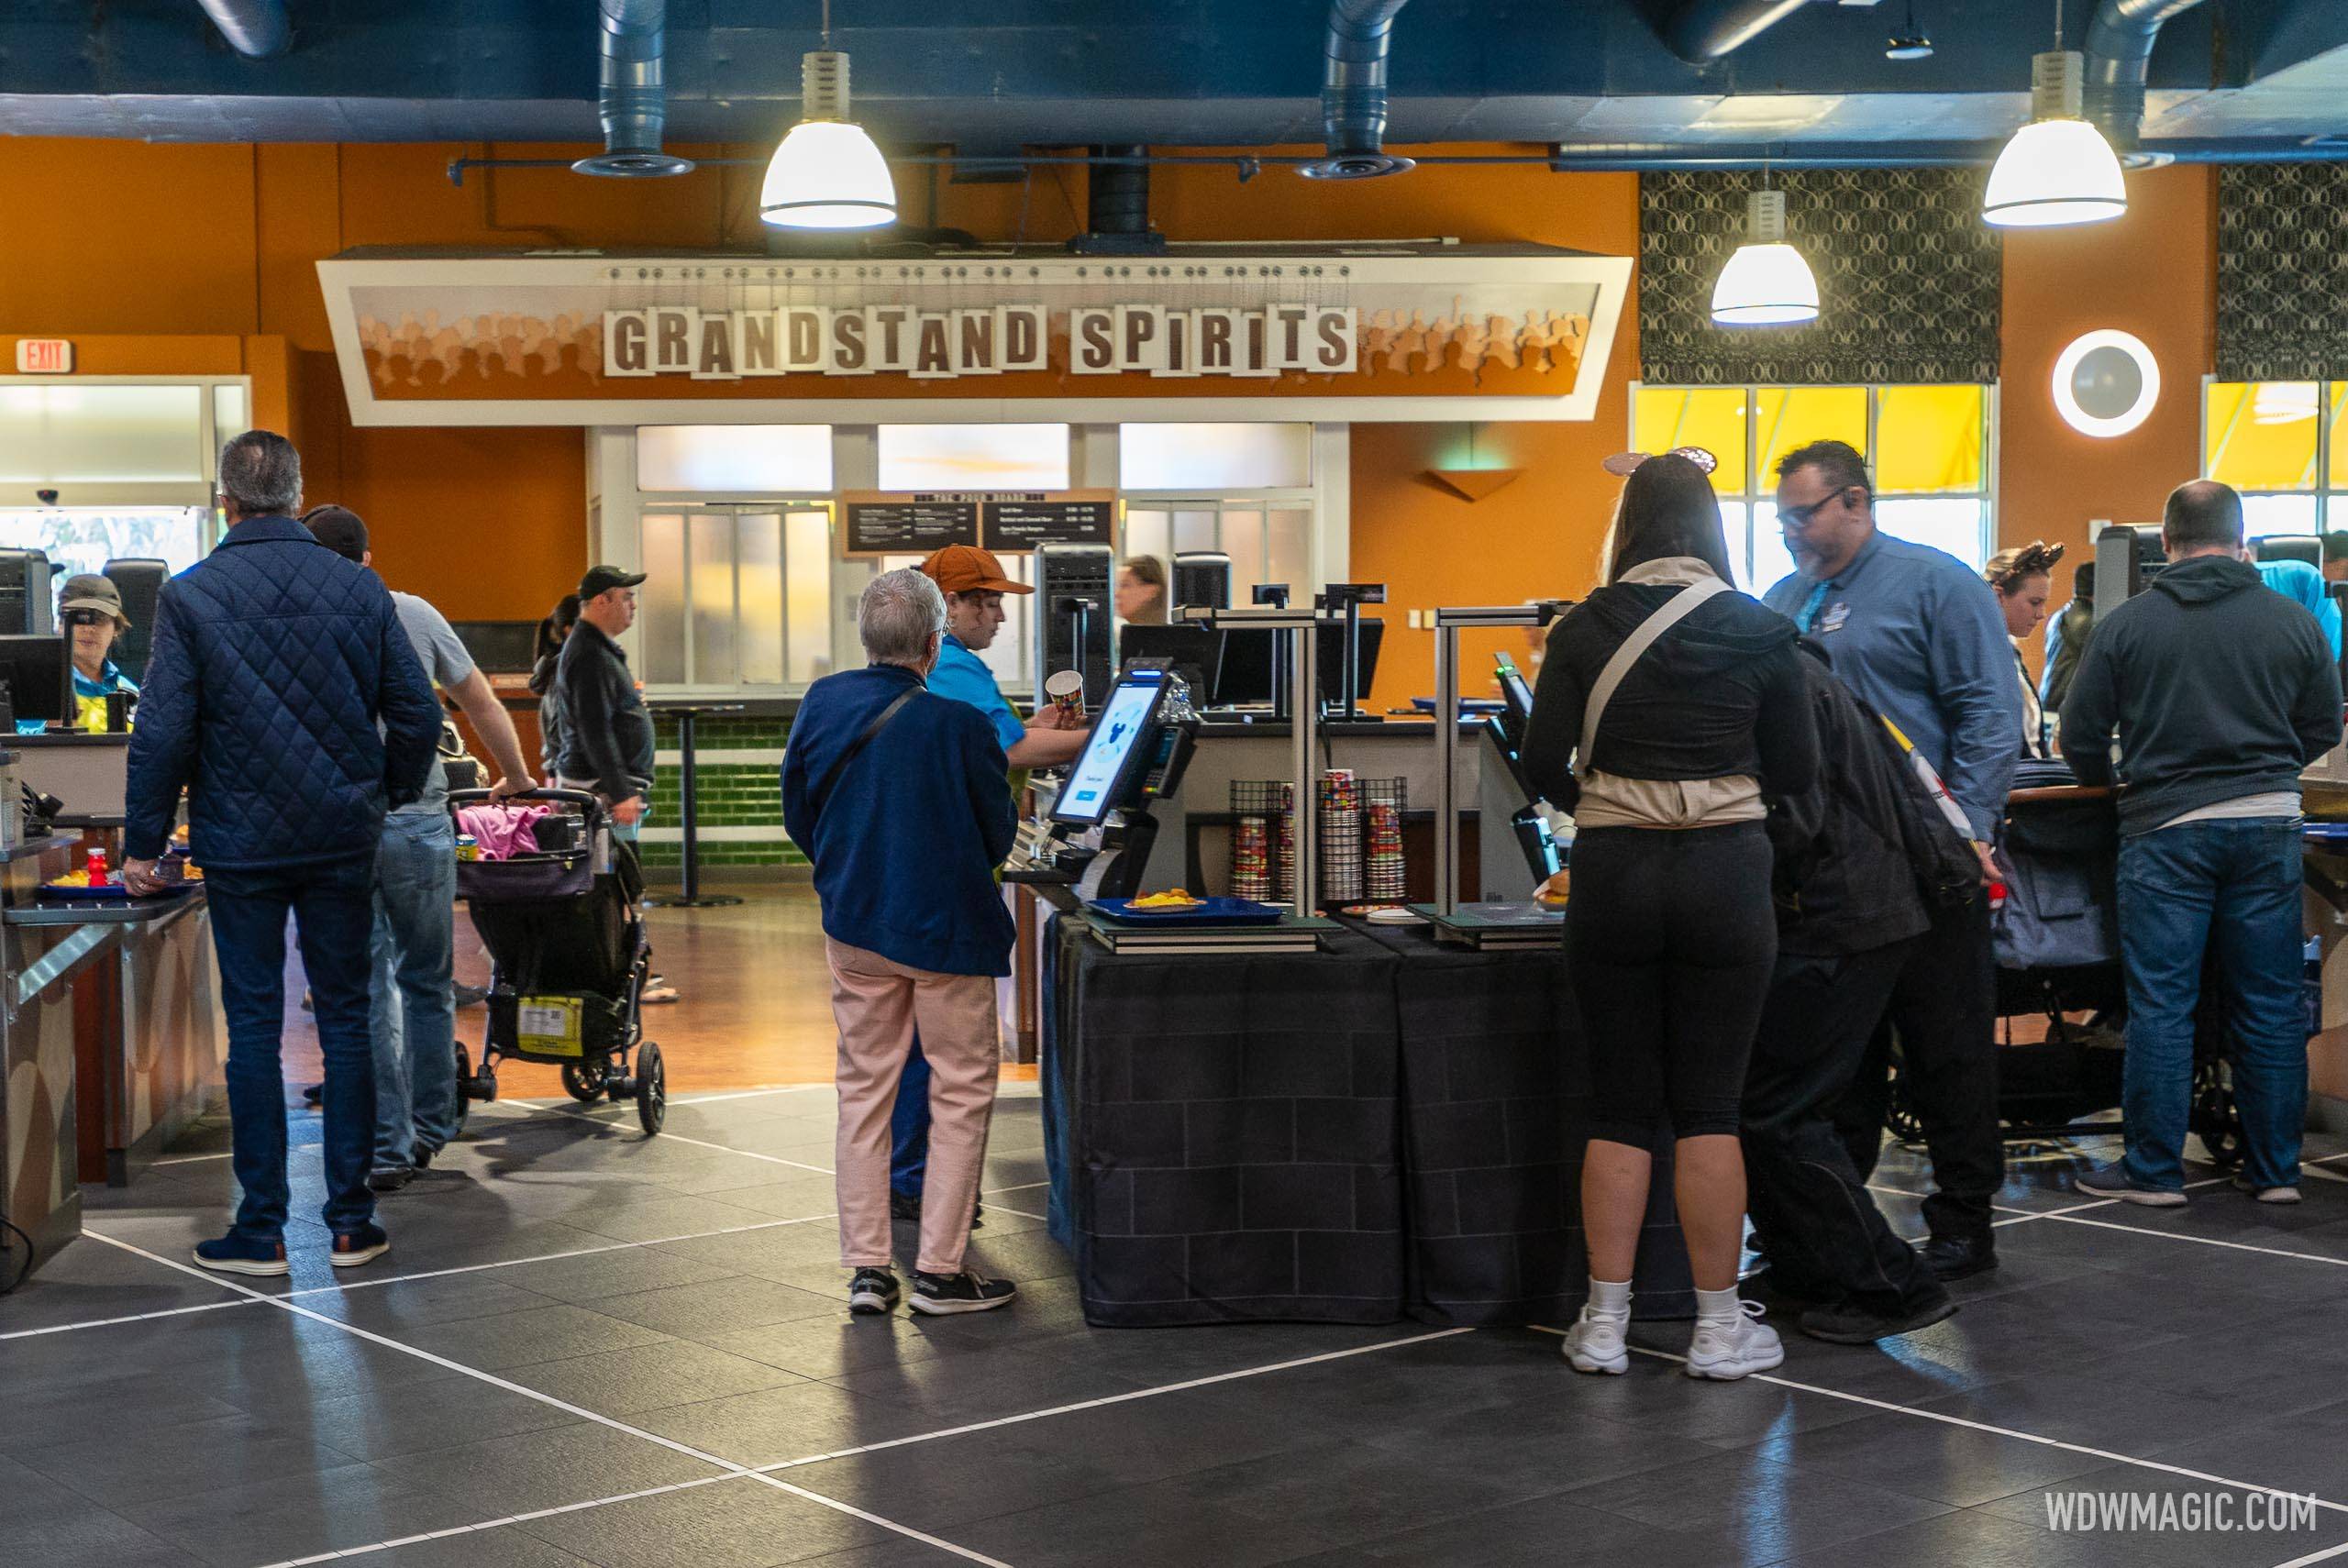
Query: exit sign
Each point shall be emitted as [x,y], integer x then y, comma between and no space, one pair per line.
[44,356]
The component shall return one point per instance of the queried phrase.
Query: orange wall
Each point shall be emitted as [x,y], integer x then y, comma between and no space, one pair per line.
[491,521]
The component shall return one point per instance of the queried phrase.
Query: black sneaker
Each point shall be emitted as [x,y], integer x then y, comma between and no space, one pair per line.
[941,1293]
[1847,1323]
[314,1094]
[1959,1258]
[872,1290]
[389,1178]
[354,1249]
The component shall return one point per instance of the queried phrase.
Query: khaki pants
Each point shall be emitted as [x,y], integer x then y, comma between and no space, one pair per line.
[877,1004]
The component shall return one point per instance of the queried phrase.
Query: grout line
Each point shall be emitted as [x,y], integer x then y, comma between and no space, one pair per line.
[763,1471]
[422,1536]
[2202,1241]
[564,1405]
[1970,1425]
[2326,1555]
[743,1094]
[697,1142]
[111,1322]
[1115,1399]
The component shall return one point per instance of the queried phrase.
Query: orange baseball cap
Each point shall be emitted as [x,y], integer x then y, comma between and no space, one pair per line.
[966,569]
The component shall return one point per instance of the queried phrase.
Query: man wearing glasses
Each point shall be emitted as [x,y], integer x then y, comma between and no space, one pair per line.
[1917,635]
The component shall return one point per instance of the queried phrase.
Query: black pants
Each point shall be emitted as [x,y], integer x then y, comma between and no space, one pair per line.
[1826,1238]
[1670,937]
[1943,1014]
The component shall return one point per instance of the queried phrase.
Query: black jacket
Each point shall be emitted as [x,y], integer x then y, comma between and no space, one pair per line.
[2219,687]
[2066,644]
[1718,695]
[1844,877]
[604,731]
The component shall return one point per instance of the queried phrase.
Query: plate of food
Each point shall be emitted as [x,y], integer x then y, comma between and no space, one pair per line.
[1178,906]
[76,885]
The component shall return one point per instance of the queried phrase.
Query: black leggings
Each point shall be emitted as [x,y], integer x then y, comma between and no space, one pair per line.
[1671,940]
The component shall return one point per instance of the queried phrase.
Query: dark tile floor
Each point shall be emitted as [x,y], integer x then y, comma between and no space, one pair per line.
[589,1348]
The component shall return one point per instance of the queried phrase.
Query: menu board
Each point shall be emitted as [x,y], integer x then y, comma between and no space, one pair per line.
[908,525]
[1024,523]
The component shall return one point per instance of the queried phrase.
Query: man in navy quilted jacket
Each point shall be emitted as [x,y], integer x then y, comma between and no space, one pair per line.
[283,695]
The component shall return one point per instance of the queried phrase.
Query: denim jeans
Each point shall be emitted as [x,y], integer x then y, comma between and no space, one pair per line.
[909,1125]
[412,1015]
[2230,888]
[333,906]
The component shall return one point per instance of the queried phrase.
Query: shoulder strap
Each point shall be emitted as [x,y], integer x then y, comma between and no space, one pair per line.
[823,791]
[1673,610]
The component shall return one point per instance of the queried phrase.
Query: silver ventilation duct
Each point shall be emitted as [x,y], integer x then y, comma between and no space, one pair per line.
[1353,93]
[2119,53]
[258,29]
[631,99]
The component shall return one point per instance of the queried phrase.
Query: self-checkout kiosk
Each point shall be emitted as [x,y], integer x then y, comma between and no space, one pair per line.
[1095,841]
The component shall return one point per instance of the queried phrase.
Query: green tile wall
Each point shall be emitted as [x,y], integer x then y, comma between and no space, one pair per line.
[726,794]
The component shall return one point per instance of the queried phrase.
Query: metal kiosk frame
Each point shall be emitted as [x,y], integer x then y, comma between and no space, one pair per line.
[1303,625]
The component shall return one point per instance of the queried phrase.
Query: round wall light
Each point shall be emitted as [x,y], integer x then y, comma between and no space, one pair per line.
[2106,383]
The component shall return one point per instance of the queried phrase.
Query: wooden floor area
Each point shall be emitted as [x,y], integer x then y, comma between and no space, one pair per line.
[755,1008]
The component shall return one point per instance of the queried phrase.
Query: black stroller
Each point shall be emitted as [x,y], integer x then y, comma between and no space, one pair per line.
[2058,955]
[568,960]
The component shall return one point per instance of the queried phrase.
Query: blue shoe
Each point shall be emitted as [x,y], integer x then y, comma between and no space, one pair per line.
[2111,1182]
[233,1253]
[353,1248]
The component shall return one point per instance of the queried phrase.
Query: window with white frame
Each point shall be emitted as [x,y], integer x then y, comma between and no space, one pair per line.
[1927,447]
[1250,496]
[2280,444]
[133,461]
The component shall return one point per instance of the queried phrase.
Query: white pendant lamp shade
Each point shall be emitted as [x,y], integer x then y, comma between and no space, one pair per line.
[1766,282]
[828,173]
[2057,170]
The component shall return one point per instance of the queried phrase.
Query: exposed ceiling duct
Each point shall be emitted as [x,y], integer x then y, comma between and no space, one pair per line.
[1353,91]
[258,29]
[631,37]
[1701,31]
[2119,53]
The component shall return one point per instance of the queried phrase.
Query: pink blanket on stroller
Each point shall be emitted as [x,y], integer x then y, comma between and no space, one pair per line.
[503,831]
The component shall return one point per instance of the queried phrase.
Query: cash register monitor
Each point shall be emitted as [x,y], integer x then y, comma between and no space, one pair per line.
[39,674]
[1194,653]
[1105,774]
[1246,677]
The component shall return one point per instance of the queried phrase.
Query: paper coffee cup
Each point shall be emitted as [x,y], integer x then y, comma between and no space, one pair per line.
[1066,687]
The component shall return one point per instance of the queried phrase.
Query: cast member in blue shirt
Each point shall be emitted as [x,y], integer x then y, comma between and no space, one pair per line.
[1917,635]
[974,584]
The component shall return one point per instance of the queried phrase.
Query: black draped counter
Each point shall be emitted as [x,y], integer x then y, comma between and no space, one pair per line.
[1388,1129]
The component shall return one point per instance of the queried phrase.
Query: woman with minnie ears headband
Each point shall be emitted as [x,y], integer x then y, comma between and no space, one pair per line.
[2024,576]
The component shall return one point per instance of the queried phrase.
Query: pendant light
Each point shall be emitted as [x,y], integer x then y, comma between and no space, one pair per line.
[2057,170]
[1766,282]
[828,173]
[1911,41]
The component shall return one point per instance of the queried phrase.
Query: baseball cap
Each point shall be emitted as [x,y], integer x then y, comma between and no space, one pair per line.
[966,569]
[88,591]
[340,529]
[603,579]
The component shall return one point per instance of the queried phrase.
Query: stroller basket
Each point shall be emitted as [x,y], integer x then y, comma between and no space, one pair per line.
[557,1026]
[567,874]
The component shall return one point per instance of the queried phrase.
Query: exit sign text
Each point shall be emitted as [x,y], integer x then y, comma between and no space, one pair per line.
[44,356]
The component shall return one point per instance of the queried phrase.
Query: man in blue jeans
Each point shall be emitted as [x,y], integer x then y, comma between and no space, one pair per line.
[2222,691]
[412,1017]
[283,696]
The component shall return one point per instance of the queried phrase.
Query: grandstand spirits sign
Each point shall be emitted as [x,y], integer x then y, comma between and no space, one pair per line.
[988,340]
[1368,333]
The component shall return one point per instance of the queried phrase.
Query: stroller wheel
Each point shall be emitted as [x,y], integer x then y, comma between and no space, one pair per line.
[2214,1116]
[1900,1115]
[583,1081]
[651,1088]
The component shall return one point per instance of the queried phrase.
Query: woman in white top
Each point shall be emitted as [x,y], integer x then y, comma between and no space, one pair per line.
[2024,578]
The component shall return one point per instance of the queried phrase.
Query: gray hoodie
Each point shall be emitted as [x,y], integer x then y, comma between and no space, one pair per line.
[2219,688]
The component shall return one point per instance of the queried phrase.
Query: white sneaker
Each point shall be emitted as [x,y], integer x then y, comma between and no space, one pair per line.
[2266,1194]
[1595,1342]
[1734,1348]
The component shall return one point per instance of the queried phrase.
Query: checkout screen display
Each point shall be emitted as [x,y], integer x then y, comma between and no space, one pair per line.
[1119,728]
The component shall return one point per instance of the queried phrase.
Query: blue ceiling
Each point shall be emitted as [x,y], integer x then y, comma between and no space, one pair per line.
[992,75]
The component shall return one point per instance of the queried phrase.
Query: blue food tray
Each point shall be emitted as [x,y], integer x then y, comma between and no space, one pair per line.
[59,890]
[1209,911]
[2327,832]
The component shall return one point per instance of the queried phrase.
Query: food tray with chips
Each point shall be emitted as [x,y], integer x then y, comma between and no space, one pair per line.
[1206,911]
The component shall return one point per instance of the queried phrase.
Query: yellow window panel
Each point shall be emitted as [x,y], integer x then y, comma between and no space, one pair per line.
[1709,417]
[1929,440]
[2262,435]
[1787,417]
[2339,436]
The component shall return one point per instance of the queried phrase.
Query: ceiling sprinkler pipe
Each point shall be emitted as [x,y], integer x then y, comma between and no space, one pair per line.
[258,29]
[2120,57]
[631,99]
[1353,93]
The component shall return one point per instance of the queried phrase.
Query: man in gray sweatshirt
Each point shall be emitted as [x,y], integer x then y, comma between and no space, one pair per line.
[2221,693]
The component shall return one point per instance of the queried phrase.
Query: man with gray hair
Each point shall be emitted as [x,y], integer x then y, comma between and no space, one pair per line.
[283,696]
[902,799]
